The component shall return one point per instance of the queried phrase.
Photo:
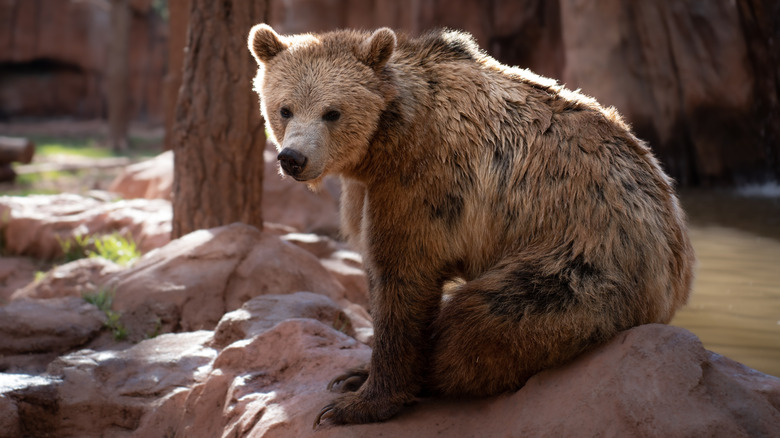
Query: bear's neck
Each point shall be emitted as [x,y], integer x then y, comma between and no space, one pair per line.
[401,145]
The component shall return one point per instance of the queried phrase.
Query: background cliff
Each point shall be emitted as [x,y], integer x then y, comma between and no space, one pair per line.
[699,80]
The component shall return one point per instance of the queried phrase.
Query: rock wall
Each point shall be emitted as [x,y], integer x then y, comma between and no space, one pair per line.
[698,80]
[53,59]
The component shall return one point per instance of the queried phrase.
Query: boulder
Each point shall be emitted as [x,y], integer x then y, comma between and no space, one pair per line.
[319,246]
[72,279]
[149,179]
[35,326]
[264,373]
[108,393]
[250,385]
[652,380]
[15,274]
[36,225]
[347,267]
[196,279]
[262,313]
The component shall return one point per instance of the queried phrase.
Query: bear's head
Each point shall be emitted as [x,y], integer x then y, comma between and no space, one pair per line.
[322,96]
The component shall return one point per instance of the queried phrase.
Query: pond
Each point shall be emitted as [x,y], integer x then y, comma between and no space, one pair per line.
[735,304]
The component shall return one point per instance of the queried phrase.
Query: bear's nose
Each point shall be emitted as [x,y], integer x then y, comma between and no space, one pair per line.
[292,161]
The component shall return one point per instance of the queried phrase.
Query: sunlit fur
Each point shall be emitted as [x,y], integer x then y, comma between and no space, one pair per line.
[557,224]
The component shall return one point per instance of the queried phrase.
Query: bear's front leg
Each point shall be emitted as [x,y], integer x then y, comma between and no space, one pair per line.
[403,310]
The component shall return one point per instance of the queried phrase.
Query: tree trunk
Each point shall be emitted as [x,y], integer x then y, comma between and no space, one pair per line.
[118,74]
[219,137]
[178,17]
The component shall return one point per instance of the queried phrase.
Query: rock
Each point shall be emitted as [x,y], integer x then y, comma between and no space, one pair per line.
[262,313]
[36,225]
[318,246]
[9,416]
[205,274]
[72,279]
[250,382]
[55,325]
[109,393]
[149,179]
[278,353]
[15,273]
[25,402]
[650,381]
[346,266]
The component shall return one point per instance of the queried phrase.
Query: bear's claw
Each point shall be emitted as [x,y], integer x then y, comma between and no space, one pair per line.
[350,381]
[324,414]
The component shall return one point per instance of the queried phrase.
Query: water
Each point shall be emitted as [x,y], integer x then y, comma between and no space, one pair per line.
[735,304]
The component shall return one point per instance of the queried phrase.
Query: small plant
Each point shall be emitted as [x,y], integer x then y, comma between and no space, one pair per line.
[103,299]
[114,247]
[156,330]
[342,323]
[39,275]
[75,248]
[117,329]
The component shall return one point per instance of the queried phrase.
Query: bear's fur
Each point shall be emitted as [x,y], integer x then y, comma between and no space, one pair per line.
[507,224]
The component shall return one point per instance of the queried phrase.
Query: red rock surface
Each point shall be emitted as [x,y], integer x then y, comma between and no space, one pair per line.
[262,365]
[15,274]
[55,325]
[650,381]
[149,179]
[69,280]
[195,280]
[35,225]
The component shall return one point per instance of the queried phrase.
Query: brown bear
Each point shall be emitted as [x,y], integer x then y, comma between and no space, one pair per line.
[507,223]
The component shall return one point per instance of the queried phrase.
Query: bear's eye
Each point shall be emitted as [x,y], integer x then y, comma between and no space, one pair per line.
[285,113]
[331,116]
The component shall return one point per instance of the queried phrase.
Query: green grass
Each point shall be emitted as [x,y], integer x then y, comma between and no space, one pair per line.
[86,147]
[90,147]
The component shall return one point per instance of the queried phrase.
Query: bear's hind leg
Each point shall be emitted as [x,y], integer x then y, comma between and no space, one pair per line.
[495,332]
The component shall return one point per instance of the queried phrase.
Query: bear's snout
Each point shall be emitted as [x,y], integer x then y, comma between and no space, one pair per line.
[293,162]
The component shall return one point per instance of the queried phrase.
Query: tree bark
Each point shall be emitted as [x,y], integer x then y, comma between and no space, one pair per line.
[178,17]
[118,74]
[219,137]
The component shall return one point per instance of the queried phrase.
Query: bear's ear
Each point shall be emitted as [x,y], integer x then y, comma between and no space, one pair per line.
[377,49]
[265,43]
